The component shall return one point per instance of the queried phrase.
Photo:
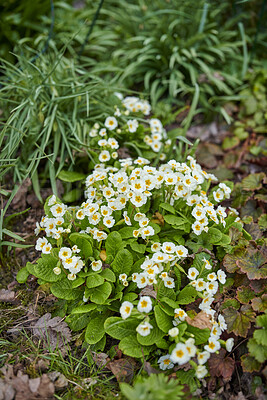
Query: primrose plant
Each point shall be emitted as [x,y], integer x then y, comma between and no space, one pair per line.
[128,129]
[138,260]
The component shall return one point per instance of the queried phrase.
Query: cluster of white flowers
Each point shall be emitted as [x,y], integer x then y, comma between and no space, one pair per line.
[187,350]
[165,254]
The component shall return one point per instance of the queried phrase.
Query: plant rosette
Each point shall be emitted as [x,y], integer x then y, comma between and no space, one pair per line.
[127,128]
[134,260]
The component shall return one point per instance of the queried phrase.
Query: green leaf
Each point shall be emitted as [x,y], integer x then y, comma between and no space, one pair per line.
[44,269]
[22,275]
[126,232]
[119,328]
[187,295]
[94,280]
[131,347]
[257,350]
[253,181]
[201,335]
[95,329]
[85,308]
[101,293]
[168,207]
[69,176]
[64,290]
[108,275]
[123,262]
[174,220]
[77,322]
[260,335]
[259,303]
[214,235]
[163,320]
[138,248]
[239,322]
[113,244]
[83,242]
[253,263]
[30,268]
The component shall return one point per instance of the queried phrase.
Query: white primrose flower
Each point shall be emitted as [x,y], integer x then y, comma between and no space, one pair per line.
[212,277]
[113,143]
[122,277]
[203,357]
[181,251]
[192,273]
[111,123]
[212,287]
[47,249]
[213,345]
[132,125]
[96,265]
[52,200]
[58,210]
[169,282]
[221,322]
[80,214]
[165,362]
[197,228]
[221,276]
[180,313]
[216,332]
[201,371]
[141,280]
[190,346]
[57,270]
[200,285]
[147,231]
[173,332]
[207,264]
[144,328]
[104,156]
[41,243]
[218,195]
[180,354]
[144,304]
[71,277]
[229,344]
[108,221]
[126,309]
[156,247]
[126,218]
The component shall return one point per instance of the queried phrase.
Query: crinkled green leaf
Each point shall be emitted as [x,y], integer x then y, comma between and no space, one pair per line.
[253,181]
[174,220]
[120,328]
[123,262]
[44,269]
[70,176]
[155,335]
[257,350]
[64,290]
[83,242]
[95,329]
[22,275]
[85,308]
[108,275]
[138,248]
[113,244]
[131,347]
[94,280]
[201,335]
[101,293]
[163,320]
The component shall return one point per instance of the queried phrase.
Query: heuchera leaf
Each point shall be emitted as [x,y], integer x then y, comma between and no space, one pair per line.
[229,261]
[239,322]
[249,363]
[253,181]
[259,303]
[244,294]
[220,365]
[253,263]
[257,350]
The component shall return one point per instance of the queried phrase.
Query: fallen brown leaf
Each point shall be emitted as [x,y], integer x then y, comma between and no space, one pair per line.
[21,387]
[149,291]
[219,365]
[8,296]
[201,321]
[53,332]
[101,359]
[123,369]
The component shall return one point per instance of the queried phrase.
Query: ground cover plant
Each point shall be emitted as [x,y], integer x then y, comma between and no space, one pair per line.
[147,278]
